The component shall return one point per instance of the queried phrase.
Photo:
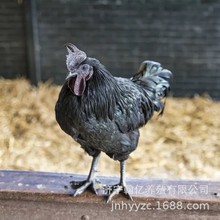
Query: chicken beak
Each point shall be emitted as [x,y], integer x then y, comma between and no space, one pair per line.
[71,75]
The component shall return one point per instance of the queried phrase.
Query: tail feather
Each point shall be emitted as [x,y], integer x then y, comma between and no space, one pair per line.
[154,81]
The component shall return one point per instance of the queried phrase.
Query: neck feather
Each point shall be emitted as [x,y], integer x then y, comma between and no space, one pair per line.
[101,95]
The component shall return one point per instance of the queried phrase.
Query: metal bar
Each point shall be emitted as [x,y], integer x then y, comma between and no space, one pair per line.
[41,195]
[33,45]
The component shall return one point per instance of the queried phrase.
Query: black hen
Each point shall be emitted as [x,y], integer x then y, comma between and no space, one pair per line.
[104,113]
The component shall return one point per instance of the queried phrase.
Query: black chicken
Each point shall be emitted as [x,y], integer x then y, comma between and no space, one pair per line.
[104,113]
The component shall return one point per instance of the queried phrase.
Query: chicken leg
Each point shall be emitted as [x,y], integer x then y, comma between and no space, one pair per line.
[91,180]
[121,187]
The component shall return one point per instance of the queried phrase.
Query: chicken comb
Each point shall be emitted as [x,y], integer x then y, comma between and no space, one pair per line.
[75,56]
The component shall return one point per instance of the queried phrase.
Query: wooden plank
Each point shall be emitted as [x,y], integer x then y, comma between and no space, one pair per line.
[41,195]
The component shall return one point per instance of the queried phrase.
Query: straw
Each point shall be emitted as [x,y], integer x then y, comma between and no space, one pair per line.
[184,143]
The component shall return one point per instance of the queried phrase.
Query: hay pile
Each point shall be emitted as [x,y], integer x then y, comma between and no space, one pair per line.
[184,143]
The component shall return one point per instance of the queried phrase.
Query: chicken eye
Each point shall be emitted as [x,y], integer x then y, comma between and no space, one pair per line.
[154,68]
[85,67]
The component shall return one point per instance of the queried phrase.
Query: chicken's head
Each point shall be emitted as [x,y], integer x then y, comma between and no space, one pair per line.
[79,72]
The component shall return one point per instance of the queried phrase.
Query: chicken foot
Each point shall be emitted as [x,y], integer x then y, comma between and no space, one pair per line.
[121,187]
[91,181]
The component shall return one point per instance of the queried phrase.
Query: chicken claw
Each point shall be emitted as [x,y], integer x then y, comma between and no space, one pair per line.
[121,187]
[116,189]
[91,182]
[80,187]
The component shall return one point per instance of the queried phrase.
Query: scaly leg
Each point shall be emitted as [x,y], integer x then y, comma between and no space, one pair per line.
[91,180]
[121,187]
